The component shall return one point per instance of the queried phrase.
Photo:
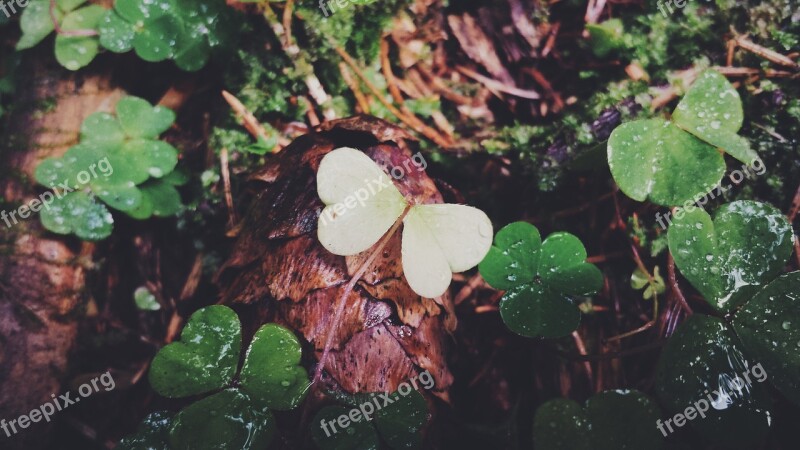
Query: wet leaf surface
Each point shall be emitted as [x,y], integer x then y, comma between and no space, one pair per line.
[769,326]
[699,367]
[272,373]
[730,258]
[205,358]
[225,420]
[539,278]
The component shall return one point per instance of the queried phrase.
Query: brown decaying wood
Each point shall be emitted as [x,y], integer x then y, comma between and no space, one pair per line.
[387,333]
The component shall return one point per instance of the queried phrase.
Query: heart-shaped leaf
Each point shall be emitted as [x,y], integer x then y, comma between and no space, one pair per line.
[160,199]
[561,424]
[225,420]
[712,111]
[272,374]
[158,157]
[401,422]
[36,23]
[727,260]
[104,129]
[79,214]
[205,358]
[328,434]
[153,434]
[141,11]
[140,119]
[769,326]
[655,160]
[74,52]
[124,196]
[698,368]
[670,163]
[156,41]
[612,420]
[540,277]
[116,34]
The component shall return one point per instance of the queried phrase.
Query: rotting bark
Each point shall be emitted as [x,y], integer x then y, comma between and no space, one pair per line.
[42,275]
[387,333]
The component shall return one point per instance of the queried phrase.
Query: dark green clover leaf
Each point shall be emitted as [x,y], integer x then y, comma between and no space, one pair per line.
[272,374]
[539,279]
[153,434]
[225,420]
[729,259]
[398,419]
[699,367]
[671,163]
[612,420]
[769,326]
[74,52]
[401,422]
[159,199]
[79,214]
[329,435]
[205,358]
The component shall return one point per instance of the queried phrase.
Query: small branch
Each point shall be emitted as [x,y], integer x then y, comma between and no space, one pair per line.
[499,86]
[226,180]
[337,316]
[768,54]
[673,284]
[249,121]
[411,121]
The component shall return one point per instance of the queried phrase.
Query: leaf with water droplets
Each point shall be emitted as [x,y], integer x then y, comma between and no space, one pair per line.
[400,422]
[225,420]
[727,260]
[205,358]
[272,374]
[699,367]
[360,435]
[77,213]
[655,160]
[116,34]
[612,420]
[140,119]
[152,434]
[769,326]
[36,23]
[74,52]
[712,111]
[540,277]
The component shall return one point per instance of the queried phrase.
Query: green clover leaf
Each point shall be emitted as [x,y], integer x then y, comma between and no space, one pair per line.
[140,119]
[670,163]
[75,52]
[730,258]
[360,435]
[225,420]
[272,374]
[539,278]
[770,330]
[204,359]
[77,213]
[399,423]
[701,361]
[712,111]
[612,420]
[152,434]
